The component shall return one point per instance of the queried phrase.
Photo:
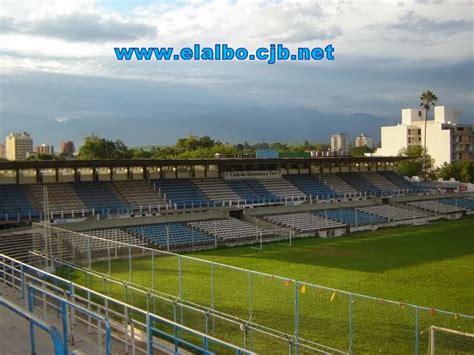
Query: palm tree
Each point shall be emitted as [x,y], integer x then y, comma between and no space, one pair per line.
[428,99]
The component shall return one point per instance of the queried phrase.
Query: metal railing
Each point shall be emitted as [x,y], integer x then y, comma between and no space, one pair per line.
[130,325]
[344,320]
[34,321]
[65,306]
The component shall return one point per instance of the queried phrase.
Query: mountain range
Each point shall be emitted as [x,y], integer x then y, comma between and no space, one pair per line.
[250,124]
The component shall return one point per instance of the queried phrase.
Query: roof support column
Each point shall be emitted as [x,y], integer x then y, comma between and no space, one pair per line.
[39,179]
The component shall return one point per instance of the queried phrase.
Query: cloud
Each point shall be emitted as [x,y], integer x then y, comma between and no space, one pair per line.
[435,2]
[413,23]
[7,24]
[314,34]
[242,22]
[79,27]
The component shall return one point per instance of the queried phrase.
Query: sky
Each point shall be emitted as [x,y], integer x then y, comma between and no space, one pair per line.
[60,79]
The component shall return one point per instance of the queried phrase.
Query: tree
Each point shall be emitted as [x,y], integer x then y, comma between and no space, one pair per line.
[193,142]
[447,171]
[428,99]
[467,171]
[65,156]
[460,170]
[360,151]
[419,163]
[140,153]
[41,156]
[97,148]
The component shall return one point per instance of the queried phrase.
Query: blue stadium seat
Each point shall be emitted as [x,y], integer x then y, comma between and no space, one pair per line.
[398,180]
[243,190]
[458,202]
[252,191]
[98,195]
[358,182]
[14,202]
[350,216]
[311,185]
[180,234]
[183,192]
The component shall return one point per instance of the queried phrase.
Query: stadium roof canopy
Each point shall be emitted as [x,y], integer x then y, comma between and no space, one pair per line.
[222,162]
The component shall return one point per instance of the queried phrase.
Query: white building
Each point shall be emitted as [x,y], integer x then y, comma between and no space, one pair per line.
[340,144]
[364,141]
[45,149]
[18,146]
[447,140]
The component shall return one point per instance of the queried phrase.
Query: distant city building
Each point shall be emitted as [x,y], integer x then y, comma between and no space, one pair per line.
[3,153]
[18,146]
[364,141]
[447,140]
[68,147]
[45,149]
[340,144]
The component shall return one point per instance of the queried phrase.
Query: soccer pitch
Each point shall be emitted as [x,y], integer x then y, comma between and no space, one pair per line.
[431,266]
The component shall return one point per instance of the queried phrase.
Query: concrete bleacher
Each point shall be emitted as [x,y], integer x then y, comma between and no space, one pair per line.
[248,190]
[16,245]
[337,184]
[351,216]
[282,188]
[398,180]
[466,203]
[119,197]
[244,191]
[358,182]
[107,237]
[392,213]
[15,201]
[173,234]
[61,197]
[182,192]
[216,190]
[227,229]
[379,181]
[260,190]
[436,207]
[99,196]
[302,221]
[138,193]
[311,186]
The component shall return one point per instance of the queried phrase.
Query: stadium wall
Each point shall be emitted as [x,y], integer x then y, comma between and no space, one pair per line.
[127,222]
[309,207]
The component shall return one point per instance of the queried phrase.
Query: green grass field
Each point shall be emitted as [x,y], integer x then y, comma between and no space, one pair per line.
[431,266]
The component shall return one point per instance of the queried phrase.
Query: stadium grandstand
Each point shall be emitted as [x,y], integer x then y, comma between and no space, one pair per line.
[105,188]
[100,252]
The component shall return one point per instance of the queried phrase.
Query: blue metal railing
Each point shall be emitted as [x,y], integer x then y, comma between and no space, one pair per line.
[20,275]
[36,322]
[64,306]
